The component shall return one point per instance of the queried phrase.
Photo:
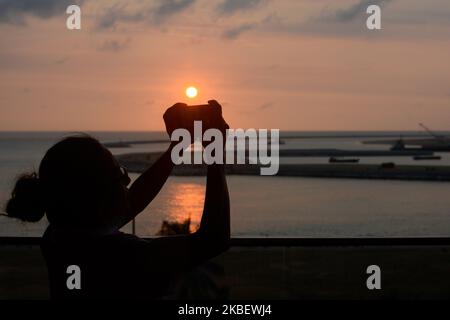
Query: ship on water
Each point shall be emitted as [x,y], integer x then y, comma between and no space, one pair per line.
[435,143]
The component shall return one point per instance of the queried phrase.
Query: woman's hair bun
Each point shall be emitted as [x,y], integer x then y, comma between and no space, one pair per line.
[26,201]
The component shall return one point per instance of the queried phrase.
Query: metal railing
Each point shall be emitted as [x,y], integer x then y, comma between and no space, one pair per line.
[291,242]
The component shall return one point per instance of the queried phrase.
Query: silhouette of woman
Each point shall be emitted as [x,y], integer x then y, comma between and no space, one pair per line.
[83,191]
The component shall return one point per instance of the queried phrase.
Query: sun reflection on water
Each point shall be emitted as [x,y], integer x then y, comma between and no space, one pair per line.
[186,201]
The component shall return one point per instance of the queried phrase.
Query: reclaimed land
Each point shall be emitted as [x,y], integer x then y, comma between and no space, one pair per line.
[138,162]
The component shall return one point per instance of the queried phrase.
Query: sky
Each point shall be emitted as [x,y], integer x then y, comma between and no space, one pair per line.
[284,64]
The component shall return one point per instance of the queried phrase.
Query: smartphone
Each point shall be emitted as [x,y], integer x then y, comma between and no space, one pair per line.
[184,116]
[197,112]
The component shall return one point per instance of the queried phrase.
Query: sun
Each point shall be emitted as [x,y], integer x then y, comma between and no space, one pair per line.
[191,92]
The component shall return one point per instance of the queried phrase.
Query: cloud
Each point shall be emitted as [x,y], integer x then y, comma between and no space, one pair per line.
[61,60]
[346,21]
[115,45]
[119,13]
[15,11]
[229,7]
[234,33]
[265,106]
[358,9]
[255,110]
[171,7]
[115,14]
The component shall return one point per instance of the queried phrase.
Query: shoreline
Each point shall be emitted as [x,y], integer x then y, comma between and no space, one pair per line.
[139,162]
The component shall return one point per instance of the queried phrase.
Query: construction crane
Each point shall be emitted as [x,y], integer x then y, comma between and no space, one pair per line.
[430,132]
[439,138]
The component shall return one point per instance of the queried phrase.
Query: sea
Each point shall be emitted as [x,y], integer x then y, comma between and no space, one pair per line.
[266,206]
